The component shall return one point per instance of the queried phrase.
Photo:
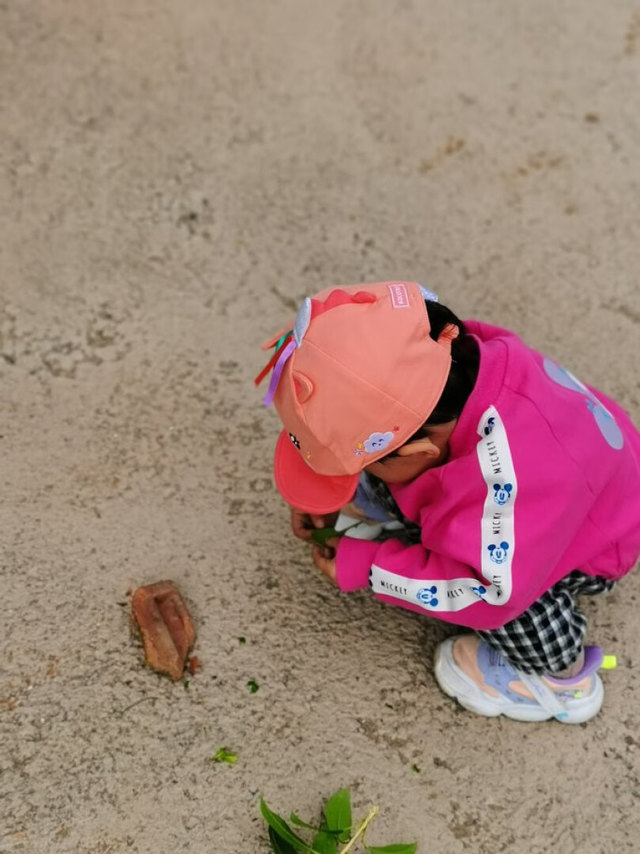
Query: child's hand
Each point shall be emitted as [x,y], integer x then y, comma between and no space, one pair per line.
[324,558]
[303,523]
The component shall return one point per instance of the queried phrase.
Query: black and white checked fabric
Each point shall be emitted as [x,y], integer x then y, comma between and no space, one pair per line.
[548,636]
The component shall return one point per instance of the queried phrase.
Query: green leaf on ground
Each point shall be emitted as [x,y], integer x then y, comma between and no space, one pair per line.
[282,829]
[325,843]
[253,686]
[279,845]
[337,811]
[223,754]
[241,640]
[415,768]
[398,848]
[295,819]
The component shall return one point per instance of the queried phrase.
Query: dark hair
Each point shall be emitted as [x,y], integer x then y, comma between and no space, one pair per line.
[465,360]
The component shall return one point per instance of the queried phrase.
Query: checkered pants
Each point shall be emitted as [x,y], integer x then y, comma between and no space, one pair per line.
[548,636]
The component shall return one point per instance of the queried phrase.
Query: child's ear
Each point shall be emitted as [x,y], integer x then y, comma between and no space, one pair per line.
[419,446]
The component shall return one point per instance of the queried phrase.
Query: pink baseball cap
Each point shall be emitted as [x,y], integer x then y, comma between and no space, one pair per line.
[353,380]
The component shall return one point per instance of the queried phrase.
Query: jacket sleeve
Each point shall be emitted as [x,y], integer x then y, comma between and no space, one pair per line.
[419,580]
[506,523]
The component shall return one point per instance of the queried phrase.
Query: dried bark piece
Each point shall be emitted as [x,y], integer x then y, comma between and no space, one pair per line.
[165,625]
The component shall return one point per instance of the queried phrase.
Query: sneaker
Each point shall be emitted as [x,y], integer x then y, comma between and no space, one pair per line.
[484,682]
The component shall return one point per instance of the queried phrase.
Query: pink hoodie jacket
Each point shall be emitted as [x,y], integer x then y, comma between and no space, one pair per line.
[543,478]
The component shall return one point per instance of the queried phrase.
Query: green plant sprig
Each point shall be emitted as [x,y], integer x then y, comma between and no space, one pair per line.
[320,536]
[335,829]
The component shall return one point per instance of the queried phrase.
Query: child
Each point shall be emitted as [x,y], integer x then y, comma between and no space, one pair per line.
[512,487]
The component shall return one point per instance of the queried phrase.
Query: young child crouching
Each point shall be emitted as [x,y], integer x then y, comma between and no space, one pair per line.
[499,486]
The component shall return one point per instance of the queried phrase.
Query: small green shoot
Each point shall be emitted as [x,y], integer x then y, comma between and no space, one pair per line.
[295,819]
[253,686]
[320,536]
[395,849]
[241,640]
[223,754]
[336,829]
[415,768]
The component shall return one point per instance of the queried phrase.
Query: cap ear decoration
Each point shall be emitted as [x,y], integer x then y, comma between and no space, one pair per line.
[430,296]
[302,321]
[303,386]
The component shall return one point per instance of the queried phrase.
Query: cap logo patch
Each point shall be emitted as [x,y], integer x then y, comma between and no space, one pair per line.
[378,442]
[399,295]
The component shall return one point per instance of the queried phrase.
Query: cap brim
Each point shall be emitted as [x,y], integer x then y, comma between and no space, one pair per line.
[305,489]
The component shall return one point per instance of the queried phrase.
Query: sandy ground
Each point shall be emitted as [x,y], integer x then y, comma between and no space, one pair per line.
[175,178]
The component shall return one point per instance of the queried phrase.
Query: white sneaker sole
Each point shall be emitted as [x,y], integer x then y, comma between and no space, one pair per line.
[458,685]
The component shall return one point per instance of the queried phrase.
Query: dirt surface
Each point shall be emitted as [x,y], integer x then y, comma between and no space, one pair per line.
[175,178]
